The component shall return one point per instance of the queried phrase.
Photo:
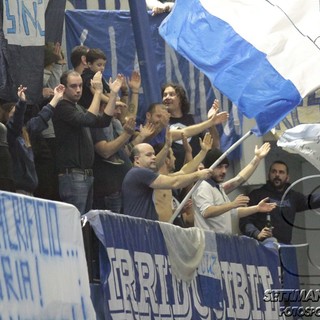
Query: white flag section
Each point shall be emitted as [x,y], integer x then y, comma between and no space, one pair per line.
[43,270]
[24,22]
[265,23]
[303,139]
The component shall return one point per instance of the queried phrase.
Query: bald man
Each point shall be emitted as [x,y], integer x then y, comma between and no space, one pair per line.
[142,179]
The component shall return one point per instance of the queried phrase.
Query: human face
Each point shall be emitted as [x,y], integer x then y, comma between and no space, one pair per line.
[278,176]
[146,158]
[171,100]
[219,173]
[97,65]
[156,116]
[117,110]
[73,90]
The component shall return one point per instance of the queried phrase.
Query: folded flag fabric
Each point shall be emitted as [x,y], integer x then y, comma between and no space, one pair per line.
[303,139]
[260,54]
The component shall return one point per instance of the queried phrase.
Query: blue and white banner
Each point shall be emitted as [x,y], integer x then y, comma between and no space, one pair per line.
[24,22]
[25,26]
[139,280]
[112,32]
[43,270]
[263,55]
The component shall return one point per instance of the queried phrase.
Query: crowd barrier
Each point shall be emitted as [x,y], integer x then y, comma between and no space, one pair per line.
[43,271]
[154,270]
[148,270]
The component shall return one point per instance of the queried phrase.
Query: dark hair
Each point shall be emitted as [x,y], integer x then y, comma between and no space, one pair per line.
[212,156]
[49,55]
[95,54]
[76,54]
[279,162]
[5,109]
[65,75]
[181,93]
[153,106]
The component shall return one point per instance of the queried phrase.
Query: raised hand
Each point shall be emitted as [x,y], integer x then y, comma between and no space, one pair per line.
[221,117]
[96,82]
[135,81]
[263,150]
[186,145]
[21,93]
[214,109]
[116,84]
[58,51]
[147,130]
[206,143]
[58,95]
[129,126]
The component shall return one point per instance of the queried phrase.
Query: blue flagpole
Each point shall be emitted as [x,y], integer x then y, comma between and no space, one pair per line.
[215,164]
[147,63]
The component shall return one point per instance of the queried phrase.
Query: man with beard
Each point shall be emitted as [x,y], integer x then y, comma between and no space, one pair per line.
[282,217]
[214,211]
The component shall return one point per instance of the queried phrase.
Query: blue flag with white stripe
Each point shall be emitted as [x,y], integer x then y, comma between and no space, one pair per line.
[258,53]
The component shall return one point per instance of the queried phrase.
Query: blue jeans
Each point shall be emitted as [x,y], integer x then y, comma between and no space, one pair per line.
[112,202]
[77,189]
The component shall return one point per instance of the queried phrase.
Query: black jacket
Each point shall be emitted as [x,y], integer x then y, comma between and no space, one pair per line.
[282,217]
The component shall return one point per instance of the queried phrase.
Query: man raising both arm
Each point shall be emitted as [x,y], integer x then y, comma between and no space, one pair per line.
[212,206]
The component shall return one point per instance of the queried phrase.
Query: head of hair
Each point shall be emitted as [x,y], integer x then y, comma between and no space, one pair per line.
[66,74]
[76,54]
[50,56]
[5,109]
[212,156]
[279,162]
[153,106]
[95,54]
[181,93]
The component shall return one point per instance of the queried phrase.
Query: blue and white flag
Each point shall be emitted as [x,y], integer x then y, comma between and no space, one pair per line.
[262,54]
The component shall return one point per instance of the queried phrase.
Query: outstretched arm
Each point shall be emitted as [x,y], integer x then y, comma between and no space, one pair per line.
[263,206]
[195,129]
[194,163]
[180,181]
[247,172]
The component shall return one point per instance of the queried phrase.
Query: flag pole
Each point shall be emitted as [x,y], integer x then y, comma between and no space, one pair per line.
[215,164]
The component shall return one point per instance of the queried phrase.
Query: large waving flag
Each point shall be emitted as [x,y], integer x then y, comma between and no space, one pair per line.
[262,54]
[304,140]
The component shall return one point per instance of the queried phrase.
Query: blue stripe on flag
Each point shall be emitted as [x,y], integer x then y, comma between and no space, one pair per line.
[233,65]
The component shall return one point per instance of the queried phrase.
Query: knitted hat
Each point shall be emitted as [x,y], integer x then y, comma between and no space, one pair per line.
[212,156]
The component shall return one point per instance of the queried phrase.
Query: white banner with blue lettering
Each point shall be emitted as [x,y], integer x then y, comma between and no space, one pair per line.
[43,271]
[111,31]
[143,263]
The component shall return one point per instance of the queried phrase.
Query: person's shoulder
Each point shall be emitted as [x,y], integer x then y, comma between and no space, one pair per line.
[87,74]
